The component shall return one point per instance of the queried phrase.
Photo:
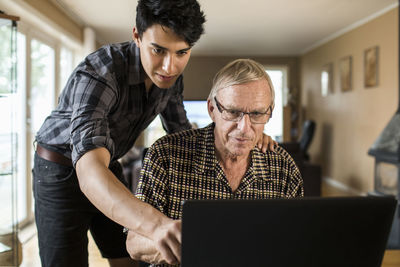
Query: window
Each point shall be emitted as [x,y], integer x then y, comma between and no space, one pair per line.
[42,83]
[274,127]
[196,111]
[35,96]
[66,66]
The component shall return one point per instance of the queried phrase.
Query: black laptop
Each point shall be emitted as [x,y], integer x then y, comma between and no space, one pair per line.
[339,231]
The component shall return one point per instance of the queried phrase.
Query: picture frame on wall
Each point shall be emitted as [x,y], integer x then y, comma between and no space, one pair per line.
[327,79]
[345,66]
[371,67]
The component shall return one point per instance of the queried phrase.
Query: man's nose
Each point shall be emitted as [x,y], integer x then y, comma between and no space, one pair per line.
[244,124]
[168,64]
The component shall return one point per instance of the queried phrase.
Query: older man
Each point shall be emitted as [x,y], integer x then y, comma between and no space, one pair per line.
[220,161]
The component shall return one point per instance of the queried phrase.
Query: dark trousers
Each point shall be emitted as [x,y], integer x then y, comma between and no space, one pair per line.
[64,215]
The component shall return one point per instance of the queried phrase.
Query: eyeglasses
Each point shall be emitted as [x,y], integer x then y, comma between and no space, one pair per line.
[236,115]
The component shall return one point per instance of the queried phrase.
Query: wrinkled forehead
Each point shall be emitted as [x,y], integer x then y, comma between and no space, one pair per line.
[248,96]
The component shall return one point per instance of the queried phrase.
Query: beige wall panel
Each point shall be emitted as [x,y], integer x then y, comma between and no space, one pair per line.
[48,9]
[349,122]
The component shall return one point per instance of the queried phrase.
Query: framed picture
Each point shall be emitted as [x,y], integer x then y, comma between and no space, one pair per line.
[345,73]
[327,79]
[371,67]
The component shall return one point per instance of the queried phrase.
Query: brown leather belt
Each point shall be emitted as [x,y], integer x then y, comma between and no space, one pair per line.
[53,156]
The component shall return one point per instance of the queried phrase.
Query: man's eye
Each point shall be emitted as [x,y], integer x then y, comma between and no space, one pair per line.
[157,50]
[256,114]
[233,112]
[182,53]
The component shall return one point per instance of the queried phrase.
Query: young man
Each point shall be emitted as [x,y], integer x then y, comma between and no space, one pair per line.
[110,98]
[220,161]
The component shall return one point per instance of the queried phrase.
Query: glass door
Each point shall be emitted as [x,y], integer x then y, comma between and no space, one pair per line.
[10,249]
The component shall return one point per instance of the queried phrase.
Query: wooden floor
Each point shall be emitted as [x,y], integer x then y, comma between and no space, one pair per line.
[31,253]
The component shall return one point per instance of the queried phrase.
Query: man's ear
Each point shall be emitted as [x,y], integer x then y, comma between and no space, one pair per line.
[210,109]
[136,37]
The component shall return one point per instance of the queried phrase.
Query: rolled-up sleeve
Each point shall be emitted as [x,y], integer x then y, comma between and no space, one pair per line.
[92,101]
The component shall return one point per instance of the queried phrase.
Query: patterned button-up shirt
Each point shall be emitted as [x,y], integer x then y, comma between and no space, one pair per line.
[105,104]
[183,166]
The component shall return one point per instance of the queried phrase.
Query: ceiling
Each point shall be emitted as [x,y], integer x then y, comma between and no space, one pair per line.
[241,27]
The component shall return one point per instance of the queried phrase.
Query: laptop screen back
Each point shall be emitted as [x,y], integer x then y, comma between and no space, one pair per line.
[345,231]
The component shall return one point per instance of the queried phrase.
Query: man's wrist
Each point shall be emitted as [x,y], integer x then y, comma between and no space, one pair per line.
[158,221]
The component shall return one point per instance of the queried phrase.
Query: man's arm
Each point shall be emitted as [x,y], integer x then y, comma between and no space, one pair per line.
[113,199]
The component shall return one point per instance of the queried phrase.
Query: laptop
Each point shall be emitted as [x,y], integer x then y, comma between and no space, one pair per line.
[335,231]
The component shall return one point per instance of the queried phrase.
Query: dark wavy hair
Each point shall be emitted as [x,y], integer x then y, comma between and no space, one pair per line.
[184,17]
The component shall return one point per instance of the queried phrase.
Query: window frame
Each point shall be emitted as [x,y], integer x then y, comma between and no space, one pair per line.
[32,32]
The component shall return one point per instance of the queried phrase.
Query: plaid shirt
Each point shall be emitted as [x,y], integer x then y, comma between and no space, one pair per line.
[105,104]
[183,166]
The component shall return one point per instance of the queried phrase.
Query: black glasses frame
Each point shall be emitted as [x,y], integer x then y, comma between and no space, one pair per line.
[221,109]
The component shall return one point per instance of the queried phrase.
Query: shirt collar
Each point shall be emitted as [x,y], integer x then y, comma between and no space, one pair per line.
[205,158]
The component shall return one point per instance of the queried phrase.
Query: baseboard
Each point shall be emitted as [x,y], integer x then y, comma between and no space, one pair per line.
[342,187]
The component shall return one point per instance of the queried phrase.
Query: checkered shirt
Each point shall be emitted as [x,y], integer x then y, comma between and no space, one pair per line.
[105,104]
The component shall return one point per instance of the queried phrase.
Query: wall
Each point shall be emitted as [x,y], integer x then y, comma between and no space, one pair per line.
[200,71]
[349,122]
[48,17]
[53,13]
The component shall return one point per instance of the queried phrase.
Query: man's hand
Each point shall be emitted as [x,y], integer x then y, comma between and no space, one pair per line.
[266,143]
[165,248]
[142,249]
[168,241]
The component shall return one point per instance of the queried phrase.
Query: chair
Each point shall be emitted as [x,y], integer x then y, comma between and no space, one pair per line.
[311,173]
[306,137]
[299,150]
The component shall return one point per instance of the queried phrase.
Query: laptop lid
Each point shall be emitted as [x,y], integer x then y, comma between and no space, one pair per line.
[339,231]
